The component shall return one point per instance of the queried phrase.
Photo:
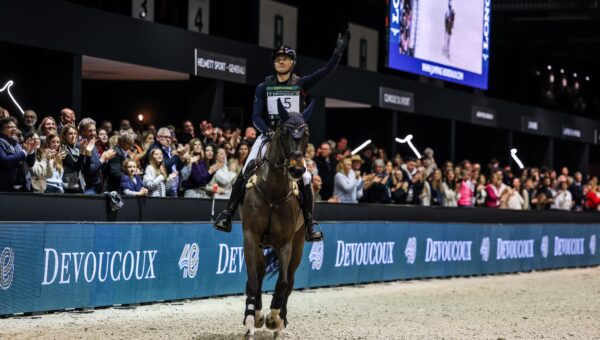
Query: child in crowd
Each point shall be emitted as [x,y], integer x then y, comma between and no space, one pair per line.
[155,176]
[131,182]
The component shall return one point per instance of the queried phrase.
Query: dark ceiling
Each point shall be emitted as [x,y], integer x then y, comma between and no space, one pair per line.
[527,36]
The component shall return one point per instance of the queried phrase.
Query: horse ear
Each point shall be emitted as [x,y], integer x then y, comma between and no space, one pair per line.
[283,114]
[308,111]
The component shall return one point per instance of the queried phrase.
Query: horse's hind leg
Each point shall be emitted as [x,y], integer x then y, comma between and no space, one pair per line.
[250,249]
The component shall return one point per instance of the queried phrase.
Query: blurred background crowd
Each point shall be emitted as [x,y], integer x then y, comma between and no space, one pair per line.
[200,160]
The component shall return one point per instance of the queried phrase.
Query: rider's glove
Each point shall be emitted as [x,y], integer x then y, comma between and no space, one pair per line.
[269,133]
[342,41]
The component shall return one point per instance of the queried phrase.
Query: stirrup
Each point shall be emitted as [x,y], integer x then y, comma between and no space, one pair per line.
[223,221]
[313,235]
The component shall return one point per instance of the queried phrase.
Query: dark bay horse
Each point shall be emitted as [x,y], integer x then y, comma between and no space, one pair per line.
[272,217]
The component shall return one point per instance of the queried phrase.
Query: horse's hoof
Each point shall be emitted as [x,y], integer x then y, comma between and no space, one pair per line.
[260,320]
[273,323]
[249,336]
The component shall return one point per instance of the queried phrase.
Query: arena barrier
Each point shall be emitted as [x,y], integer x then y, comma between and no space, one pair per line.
[51,266]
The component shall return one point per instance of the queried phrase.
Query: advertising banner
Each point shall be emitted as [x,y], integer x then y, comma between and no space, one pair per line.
[57,266]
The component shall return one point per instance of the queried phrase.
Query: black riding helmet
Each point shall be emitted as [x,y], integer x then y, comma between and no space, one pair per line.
[284,50]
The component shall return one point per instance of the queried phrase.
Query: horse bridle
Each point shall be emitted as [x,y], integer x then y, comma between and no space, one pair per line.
[283,168]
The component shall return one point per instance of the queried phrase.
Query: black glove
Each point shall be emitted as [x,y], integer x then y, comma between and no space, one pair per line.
[269,133]
[342,41]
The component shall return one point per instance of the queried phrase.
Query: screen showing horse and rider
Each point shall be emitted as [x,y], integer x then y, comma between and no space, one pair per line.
[447,39]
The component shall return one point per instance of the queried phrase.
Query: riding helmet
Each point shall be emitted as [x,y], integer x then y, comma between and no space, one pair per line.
[283,50]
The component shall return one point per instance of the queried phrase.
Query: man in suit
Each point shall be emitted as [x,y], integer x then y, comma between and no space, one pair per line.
[326,164]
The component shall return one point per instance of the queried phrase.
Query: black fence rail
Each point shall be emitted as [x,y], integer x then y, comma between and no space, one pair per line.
[21,207]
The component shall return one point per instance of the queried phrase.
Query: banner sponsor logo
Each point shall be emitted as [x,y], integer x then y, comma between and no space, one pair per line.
[395,22]
[485,249]
[65,268]
[7,268]
[544,246]
[514,249]
[315,257]
[486,29]
[569,246]
[189,260]
[442,71]
[593,244]
[231,259]
[410,252]
[364,254]
[447,251]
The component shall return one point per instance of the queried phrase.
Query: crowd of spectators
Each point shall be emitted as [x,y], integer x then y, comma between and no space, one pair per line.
[70,156]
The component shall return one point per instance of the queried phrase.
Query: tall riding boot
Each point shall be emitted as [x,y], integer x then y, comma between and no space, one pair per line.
[223,220]
[312,235]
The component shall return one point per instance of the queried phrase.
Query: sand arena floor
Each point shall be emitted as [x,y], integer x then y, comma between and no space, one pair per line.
[561,304]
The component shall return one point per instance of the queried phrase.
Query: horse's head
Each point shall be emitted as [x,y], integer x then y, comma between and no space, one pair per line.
[293,137]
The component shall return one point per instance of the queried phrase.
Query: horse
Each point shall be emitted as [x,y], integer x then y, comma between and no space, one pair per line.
[272,217]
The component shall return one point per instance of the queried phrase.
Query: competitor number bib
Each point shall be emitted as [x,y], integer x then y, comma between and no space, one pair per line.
[289,95]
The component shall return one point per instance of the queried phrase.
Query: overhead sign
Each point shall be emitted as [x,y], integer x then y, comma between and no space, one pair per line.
[572,132]
[531,124]
[199,15]
[396,100]
[483,116]
[219,66]
[278,24]
[363,48]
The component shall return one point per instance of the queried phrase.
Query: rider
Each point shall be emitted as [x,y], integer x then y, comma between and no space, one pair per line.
[292,91]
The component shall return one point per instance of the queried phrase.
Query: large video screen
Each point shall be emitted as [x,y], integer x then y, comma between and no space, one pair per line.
[444,39]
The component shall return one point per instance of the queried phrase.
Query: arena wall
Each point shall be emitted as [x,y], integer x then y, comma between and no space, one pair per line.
[55,266]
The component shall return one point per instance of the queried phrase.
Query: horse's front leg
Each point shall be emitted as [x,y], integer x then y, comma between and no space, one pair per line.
[252,285]
[274,320]
[297,249]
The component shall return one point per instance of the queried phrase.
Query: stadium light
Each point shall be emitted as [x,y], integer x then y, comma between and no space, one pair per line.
[362,146]
[141,117]
[7,89]
[513,153]
[587,78]
[408,140]
[574,75]
[549,67]
[562,71]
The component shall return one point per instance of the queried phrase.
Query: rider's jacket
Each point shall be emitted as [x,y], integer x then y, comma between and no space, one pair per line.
[293,94]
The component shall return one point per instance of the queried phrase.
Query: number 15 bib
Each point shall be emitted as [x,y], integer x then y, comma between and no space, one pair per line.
[290,97]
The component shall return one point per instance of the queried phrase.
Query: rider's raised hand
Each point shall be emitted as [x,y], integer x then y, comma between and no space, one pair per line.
[342,41]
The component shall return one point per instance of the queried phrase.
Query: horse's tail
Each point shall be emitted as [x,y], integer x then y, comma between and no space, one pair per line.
[271,262]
